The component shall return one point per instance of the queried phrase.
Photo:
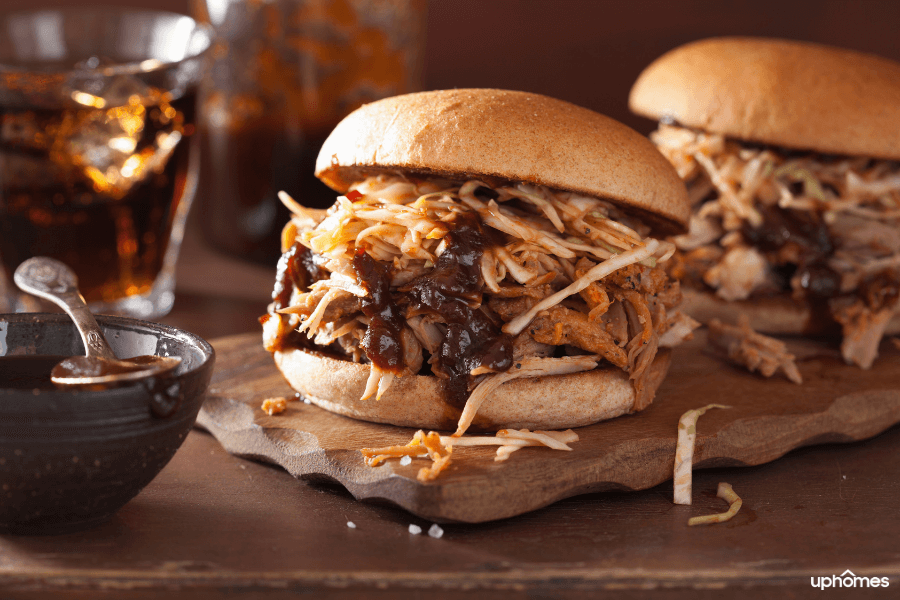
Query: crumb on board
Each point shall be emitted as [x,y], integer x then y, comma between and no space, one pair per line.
[273,406]
[726,493]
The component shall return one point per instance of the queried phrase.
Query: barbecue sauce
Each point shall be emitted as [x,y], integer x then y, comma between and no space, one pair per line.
[381,342]
[811,242]
[881,291]
[31,372]
[450,289]
[783,227]
[296,268]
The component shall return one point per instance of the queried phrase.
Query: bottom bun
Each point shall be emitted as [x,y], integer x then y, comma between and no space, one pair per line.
[771,314]
[551,402]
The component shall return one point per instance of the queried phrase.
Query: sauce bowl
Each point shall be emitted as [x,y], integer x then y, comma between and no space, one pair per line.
[70,458]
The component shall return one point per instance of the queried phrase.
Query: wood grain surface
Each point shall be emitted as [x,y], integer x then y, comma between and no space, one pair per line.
[215,526]
[836,403]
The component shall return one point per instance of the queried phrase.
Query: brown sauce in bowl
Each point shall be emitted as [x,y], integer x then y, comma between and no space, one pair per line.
[28,372]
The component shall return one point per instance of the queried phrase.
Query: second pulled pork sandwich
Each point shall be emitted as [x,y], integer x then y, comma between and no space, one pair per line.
[490,262]
[790,152]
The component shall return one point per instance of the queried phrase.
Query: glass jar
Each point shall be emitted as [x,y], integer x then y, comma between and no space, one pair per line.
[284,73]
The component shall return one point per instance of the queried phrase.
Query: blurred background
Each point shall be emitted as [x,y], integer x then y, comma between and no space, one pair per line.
[588,52]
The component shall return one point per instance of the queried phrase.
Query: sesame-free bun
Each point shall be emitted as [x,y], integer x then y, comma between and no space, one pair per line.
[779,315]
[793,94]
[498,135]
[550,402]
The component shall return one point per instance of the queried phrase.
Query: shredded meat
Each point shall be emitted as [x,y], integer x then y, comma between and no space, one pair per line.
[525,346]
[509,308]
[863,329]
[771,221]
[741,271]
[539,291]
[341,307]
[462,279]
[615,321]
[757,352]
[561,325]
[350,344]
[680,328]
[425,330]
[412,351]
[643,345]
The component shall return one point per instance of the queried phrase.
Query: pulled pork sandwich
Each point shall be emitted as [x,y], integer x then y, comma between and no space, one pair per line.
[489,263]
[790,152]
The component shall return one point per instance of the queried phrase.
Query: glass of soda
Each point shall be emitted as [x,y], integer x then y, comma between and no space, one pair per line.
[98,152]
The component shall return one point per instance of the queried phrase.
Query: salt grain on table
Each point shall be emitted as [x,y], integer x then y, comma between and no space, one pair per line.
[415,529]
[351,524]
[435,531]
[406,460]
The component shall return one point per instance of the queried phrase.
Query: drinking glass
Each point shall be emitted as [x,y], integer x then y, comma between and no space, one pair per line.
[98,157]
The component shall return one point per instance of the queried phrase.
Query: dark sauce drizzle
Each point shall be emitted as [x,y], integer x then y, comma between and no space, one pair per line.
[296,268]
[382,342]
[450,290]
[809,234]
[818,283]
[472,339]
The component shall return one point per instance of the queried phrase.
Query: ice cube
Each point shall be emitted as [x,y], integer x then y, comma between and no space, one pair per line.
[110,145]
[99,91]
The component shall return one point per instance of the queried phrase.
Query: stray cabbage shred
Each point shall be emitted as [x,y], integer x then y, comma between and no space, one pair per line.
[440,447]
[684,452]
[726,493]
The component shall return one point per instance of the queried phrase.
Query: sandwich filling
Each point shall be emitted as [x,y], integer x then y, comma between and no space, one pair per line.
[474,284]
[769,221]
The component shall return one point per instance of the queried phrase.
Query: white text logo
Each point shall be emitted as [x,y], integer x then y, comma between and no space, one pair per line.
[848,580]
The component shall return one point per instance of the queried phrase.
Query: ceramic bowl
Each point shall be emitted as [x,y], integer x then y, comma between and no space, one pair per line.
[70,458]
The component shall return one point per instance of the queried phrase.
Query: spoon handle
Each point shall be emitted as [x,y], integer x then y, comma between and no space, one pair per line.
[54,281]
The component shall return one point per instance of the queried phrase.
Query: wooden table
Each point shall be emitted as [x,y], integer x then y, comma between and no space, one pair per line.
[211,525]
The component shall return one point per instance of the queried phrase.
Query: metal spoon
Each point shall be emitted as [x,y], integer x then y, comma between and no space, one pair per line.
[54,281]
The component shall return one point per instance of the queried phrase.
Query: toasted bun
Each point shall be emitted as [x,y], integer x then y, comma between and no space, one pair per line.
[498,135]
[792,94]
[552,402]
[774,314]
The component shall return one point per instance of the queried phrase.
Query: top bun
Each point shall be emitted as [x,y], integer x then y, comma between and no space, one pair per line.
[498,136]
[792,94]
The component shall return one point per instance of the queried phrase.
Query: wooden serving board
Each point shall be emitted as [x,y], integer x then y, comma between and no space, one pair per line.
[769,417]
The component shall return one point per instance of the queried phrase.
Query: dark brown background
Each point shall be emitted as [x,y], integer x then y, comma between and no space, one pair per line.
[590,51]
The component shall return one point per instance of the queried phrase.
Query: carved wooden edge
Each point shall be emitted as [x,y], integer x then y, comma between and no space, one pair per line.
[638,468]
